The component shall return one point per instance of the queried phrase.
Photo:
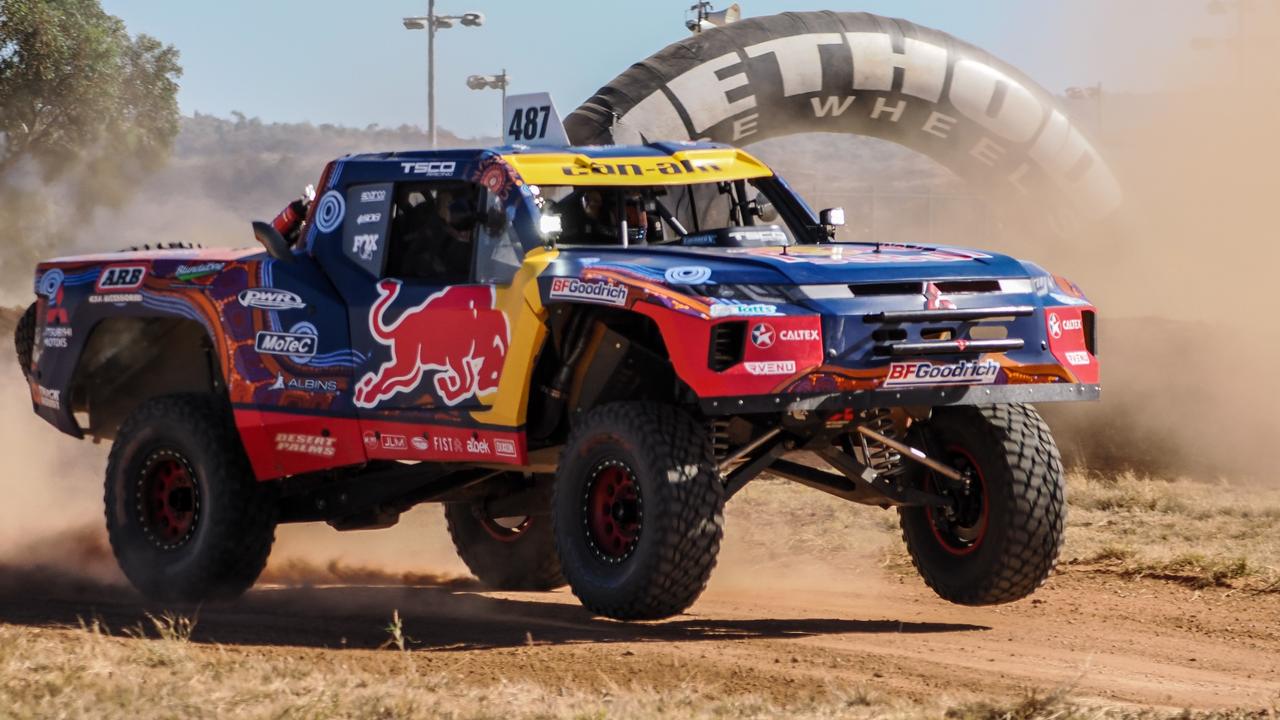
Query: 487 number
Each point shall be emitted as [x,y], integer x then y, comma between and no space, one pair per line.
[529,123]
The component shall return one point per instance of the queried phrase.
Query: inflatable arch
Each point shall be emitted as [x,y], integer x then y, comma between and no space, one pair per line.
[863,74]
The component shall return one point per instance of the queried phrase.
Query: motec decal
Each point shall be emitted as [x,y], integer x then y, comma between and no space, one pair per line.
[455,336]
[121,278]
[907,374]
[299,344]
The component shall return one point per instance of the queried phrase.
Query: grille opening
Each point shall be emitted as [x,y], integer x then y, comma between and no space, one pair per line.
[1090,321]
[727,342]
[988,332]
[884,335]
[954,287]
[937,334]
[887,288]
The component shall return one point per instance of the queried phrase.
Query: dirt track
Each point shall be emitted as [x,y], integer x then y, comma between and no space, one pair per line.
[1143,642]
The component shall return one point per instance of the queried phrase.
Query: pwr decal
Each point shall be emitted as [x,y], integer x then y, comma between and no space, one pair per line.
[455,334]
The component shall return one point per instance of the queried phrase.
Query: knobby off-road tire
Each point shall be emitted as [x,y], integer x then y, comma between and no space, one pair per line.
[638,509]
[1005,539]
[188,522]
[503,553]
[24,339]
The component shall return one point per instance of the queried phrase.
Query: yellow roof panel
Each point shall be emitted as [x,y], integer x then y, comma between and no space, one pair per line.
[680,168]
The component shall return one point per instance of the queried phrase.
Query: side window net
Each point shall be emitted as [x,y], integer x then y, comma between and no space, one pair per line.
[433,230]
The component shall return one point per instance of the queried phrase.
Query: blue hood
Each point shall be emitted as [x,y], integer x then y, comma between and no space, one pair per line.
[797,265]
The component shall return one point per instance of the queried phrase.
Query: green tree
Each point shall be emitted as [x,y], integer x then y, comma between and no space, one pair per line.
[82,105]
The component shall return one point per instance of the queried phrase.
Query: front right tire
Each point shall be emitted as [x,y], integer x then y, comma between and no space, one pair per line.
[187,520]
[638,508]
[1001,539]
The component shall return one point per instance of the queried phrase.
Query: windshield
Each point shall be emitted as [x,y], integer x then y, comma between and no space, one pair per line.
[696,214]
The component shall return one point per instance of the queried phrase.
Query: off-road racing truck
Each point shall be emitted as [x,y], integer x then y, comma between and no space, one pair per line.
[583,353]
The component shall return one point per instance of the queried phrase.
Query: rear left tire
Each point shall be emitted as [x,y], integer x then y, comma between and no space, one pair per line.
[187,520]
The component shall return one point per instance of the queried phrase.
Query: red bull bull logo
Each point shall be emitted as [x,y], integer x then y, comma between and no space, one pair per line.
[455,336]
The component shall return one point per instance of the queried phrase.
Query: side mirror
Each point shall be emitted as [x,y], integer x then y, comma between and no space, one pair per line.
[764,209]
[271,239]
[832,217]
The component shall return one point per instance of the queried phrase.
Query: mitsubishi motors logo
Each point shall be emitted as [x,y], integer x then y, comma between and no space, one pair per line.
[763,335]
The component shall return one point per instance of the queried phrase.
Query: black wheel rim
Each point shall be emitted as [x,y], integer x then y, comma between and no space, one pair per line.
[167,499]
[612,512]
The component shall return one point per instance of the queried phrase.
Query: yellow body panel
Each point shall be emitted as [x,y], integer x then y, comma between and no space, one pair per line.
[526,317]
[681,168]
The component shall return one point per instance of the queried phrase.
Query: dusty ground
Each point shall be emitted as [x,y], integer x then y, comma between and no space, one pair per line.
[812,612]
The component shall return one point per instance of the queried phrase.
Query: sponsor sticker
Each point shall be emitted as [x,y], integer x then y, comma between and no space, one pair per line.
[365,245]
[763,335]
[366,218]
[720,310]
[476,446]
[56,337]
[394,442]
[687,275]
[504,447]
[370,439]
[802,335]
[315,445]
[419,443]
[1078,357]
[330,211]
[299,344]
[430,169]
[191,272]
[373,196]
[270,299]
[121,278]
[51,399]
[115,298]
[600,292]
[313,385]
[771,367]
[965,372]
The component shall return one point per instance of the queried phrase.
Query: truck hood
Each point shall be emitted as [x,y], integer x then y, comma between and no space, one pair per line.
[797,265]
[183,254]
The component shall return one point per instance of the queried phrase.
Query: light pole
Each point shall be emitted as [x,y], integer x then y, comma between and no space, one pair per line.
[431,22]
[493,82]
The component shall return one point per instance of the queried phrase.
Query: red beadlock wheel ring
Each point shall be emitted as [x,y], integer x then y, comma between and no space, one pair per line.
[168,499]
[613,511]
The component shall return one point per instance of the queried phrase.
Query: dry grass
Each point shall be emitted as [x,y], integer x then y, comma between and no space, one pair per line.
[86,673]
[1199,534]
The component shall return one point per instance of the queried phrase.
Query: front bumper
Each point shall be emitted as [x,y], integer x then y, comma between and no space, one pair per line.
[903,397]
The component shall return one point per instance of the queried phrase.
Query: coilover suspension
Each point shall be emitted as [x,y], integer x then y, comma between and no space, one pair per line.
[885,460]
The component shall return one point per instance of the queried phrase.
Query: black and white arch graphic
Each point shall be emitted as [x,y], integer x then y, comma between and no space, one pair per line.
[868,75]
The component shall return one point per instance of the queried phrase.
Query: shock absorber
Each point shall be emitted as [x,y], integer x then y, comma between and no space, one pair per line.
[886,461]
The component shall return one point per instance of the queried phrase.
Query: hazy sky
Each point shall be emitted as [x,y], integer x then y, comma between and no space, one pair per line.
[352,63]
